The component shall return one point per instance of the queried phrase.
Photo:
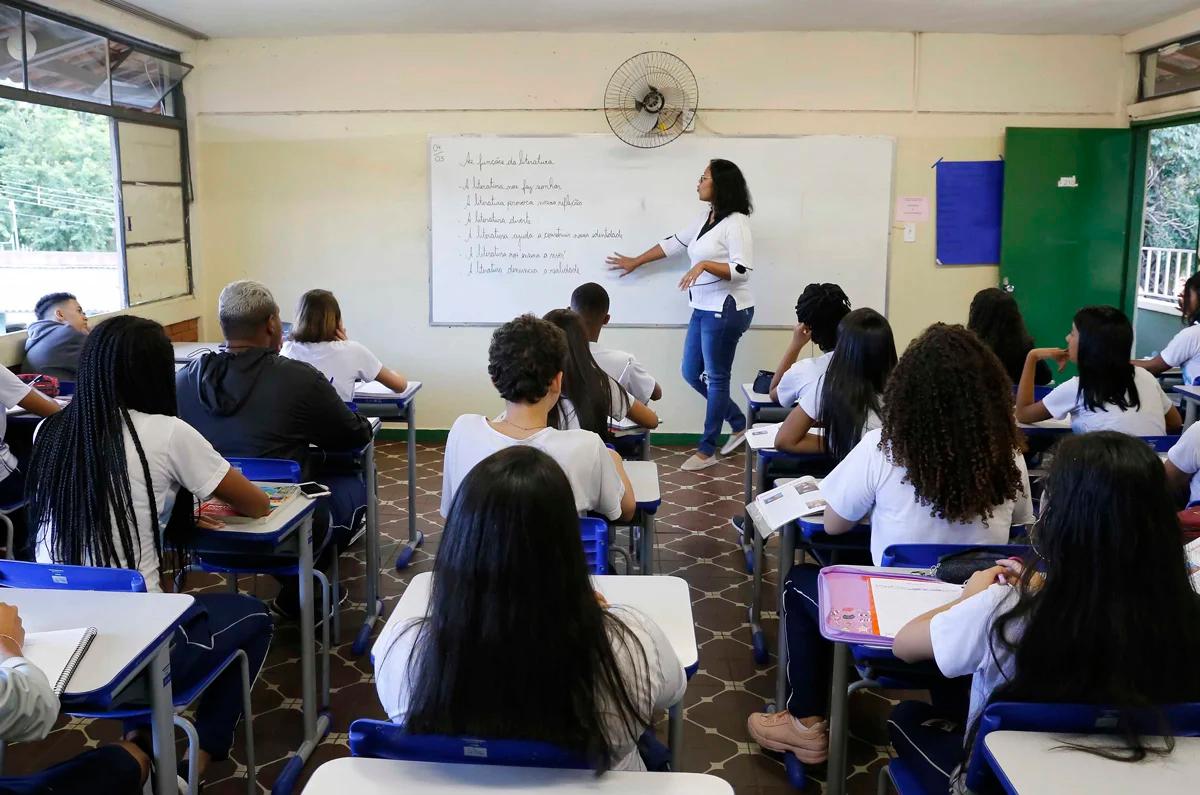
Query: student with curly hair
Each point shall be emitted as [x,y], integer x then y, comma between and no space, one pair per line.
[819,310]
[1109,394]
[946,467]
[525,361]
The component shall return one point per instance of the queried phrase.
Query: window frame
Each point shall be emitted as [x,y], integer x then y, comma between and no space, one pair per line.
[1148,62]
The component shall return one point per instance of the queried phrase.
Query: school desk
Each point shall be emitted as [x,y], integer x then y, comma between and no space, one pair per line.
[185,352]
[631,435]
[375,400]
[386,776]
[1191,397]
[1034,763]
[129,660]
[1050,427]
[287,531]
[643,476]
[756,402]
[666,600]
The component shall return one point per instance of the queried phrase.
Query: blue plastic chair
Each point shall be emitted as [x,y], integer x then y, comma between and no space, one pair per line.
[377,739]
[17,574]
[594,534]
[1160,444]
[926,555]
[1181,720]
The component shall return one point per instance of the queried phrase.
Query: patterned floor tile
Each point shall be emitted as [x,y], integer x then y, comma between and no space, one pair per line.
[695,542]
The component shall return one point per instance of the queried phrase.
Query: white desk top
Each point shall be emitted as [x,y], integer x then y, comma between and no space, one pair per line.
[126,625]
[380,776]
[643,476]
[666,600]
[757,397]
[1187,390]
[275,523]
[1048,425]
[1033,766]
[373,390]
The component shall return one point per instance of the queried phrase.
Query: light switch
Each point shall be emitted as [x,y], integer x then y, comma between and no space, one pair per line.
[910,233]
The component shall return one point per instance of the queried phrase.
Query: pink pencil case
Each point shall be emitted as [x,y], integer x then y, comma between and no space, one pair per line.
[845,605]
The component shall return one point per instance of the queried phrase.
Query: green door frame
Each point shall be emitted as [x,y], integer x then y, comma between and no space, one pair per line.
[1137,199]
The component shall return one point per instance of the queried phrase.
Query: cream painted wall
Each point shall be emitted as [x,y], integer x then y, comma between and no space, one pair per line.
[311,168]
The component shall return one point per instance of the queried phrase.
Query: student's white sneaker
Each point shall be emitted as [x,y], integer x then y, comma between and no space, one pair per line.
[733,443]
[696,463]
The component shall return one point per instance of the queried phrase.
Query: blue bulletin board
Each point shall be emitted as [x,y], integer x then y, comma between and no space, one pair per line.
[969,201]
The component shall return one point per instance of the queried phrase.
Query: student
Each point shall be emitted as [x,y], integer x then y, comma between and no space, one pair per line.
[28,709]
[319,338]
[590,395]
[525,361]
[1183,463]
[846,399]
[945,468]
[591,302]
[1106,616]
[250,402]
[102,491]
[512,603]
[1109,393]
[819,309]
[1183,350]
[996,318]
[56,338]
[15,392]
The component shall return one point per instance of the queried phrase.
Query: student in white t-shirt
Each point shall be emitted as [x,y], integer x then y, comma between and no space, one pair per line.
[591,396]
[1183,351]
[945,468]
[848,397]
[15,392]
[1099,616]
[319,338]
[1183,465]
[1109,393]
[515,642]
[591,302]
[819,310]
[104,480]
[525,362]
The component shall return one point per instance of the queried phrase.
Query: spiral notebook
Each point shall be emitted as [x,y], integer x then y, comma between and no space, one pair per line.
[58,653]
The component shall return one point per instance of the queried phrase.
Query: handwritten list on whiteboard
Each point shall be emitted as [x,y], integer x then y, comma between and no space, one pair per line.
[518,223]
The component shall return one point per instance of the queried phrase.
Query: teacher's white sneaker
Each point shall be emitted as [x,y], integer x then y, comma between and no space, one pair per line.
[696,462]
[733,443]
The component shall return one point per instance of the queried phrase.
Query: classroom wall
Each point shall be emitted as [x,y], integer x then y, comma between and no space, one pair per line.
[310,159]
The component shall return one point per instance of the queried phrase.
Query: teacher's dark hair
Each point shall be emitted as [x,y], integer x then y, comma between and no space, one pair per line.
[730,193]
[1112,603]
[1105,374]
[512,603]
[525,355]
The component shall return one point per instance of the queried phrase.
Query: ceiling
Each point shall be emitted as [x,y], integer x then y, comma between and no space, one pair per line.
[268,18]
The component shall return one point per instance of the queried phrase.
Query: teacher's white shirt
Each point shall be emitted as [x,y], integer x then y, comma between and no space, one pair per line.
[728,241]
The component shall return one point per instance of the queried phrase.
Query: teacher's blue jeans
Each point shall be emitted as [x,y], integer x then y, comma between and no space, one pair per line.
[708,351]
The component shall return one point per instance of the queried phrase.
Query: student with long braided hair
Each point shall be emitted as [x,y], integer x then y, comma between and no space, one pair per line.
[103,483]
[945,468]
[819,310]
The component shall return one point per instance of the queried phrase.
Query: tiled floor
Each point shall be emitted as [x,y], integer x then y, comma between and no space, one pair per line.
[695,541]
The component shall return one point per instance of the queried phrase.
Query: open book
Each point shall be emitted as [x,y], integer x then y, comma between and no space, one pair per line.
[278,495]
[791,501]
[375,390]
[58,653]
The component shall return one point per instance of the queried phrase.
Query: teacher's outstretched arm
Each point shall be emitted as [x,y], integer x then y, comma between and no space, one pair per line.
[620,262]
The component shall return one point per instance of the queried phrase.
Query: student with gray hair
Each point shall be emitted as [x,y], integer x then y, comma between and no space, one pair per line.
[249,401]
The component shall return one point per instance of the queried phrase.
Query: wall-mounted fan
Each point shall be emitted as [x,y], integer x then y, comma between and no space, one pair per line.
[651,99]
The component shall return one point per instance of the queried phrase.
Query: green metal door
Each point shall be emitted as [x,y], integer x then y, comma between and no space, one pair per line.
[1065,223]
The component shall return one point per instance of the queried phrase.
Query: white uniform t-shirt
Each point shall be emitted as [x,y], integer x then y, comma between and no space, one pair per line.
[866,481]
[810,404]
[1185,455]
[800,379]
[1183,351]
[618,408]
[342,362]
[962,643]
[625,370]
[728,241]
[582,455]
[1146,420]
[661,669]
[177,456]
[12,391]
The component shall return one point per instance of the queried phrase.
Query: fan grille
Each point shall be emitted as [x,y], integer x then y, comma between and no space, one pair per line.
[661,78]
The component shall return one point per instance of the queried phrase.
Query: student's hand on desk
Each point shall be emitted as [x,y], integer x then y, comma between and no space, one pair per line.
[980,581]
[691,277]
[1059,356]
[209,523]
[12,632]
[620,262]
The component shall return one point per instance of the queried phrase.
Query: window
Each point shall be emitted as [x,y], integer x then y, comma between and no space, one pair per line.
[93,167]
[1171,69]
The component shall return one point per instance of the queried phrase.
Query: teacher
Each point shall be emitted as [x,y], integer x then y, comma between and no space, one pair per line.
[719,245]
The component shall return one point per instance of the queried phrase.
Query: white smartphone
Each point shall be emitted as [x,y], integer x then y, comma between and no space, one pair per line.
[312,490]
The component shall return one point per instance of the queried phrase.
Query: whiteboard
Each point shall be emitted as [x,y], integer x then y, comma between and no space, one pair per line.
[518,223]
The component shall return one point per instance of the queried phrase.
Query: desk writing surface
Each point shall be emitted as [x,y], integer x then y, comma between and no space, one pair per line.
[643,476]
[126,624]
[757,398]
[275,523]
[1036,764]
[373,390]
[380,776]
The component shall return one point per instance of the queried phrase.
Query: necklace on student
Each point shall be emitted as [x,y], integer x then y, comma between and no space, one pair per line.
[507,421]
